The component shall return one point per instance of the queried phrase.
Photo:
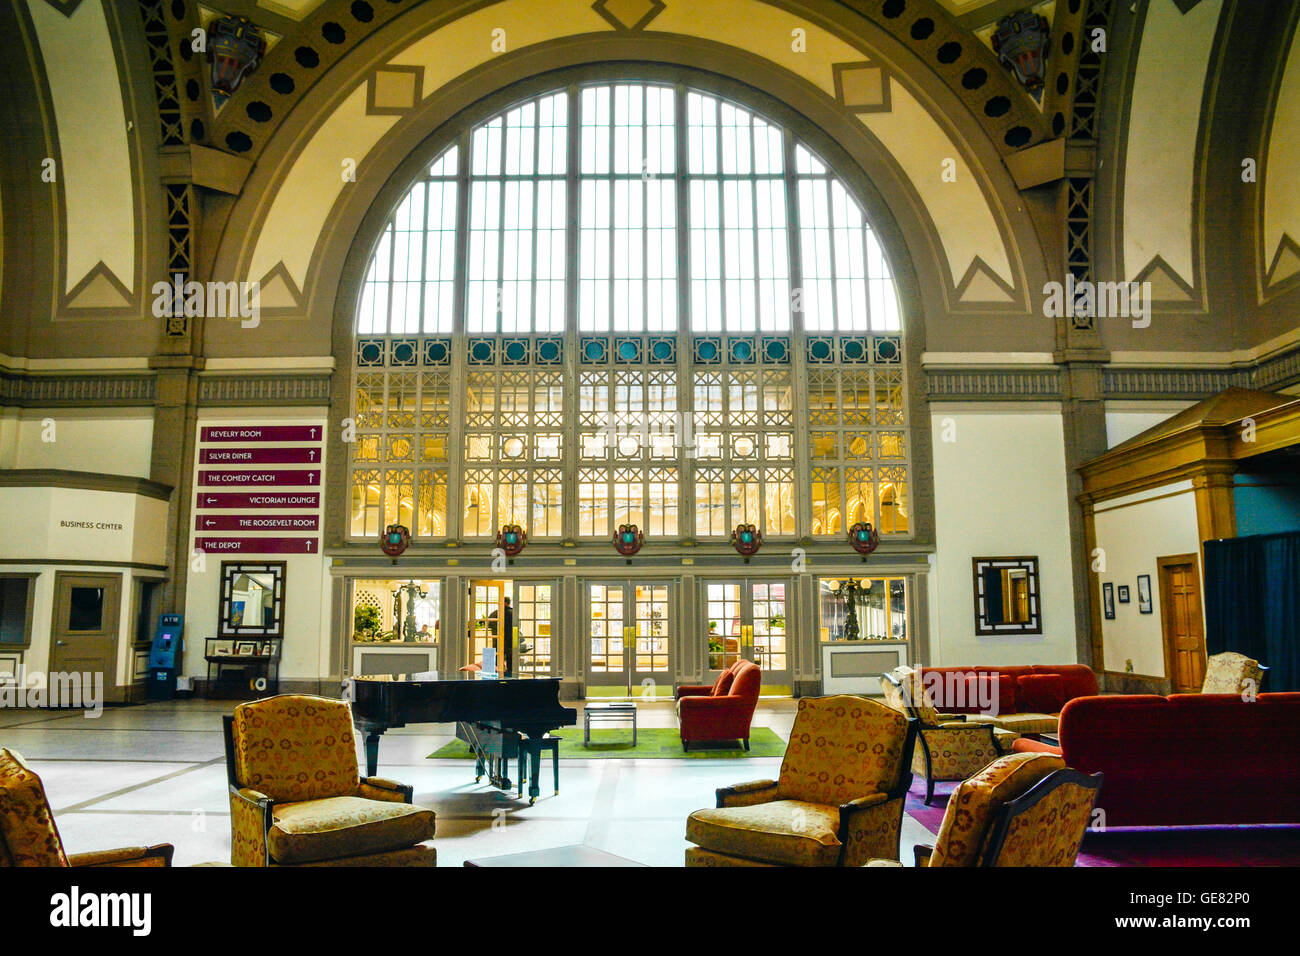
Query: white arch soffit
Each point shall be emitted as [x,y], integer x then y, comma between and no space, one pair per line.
[960,211]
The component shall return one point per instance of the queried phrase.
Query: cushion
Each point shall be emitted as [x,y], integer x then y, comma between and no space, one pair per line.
[27,827]
[345,826]
[1029,723]
[975,800]
[1044,693]
[1232,673]
[841,748]
[789,832]
[723,684]
[295,747]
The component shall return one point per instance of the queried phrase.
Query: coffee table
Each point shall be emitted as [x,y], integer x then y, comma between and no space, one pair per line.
[613,712]
[576,855]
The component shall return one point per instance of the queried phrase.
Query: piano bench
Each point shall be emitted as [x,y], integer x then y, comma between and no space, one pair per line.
[534,749]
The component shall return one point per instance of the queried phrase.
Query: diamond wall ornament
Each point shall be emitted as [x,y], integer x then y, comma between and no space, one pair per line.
[629,14]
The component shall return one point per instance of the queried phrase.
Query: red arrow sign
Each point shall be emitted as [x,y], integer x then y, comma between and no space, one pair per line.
[260,456]
[257,545]
[258,479]
[207,522]
[246,433]
[270,499]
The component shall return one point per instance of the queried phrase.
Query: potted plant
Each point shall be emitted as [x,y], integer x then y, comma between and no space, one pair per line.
[365,622]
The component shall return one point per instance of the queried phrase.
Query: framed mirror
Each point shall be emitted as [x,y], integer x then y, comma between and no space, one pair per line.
[1007,596]
[252,599]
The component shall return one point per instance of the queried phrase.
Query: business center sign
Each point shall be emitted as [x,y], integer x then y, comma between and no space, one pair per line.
[250,520]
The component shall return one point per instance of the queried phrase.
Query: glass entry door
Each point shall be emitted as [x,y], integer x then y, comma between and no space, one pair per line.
[746,619]
[535,609]
[629,635]
[488,617]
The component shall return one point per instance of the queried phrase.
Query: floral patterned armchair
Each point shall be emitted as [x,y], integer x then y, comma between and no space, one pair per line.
[297,798]
[948,747]
[1025,809]
[28,836]
[1233,673]
[838,800]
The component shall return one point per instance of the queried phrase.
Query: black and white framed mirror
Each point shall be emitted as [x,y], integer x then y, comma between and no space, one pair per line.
[1007,596]
[252,599]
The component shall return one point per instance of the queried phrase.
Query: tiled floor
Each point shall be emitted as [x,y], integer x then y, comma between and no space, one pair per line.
[155,773]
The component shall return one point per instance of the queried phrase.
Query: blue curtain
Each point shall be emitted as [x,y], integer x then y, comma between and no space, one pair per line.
[1252,603]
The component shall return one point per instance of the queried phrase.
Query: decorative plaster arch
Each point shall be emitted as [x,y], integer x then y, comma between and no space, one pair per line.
[296,218]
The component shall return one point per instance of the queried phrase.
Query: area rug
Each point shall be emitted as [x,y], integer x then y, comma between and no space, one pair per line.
[651,743]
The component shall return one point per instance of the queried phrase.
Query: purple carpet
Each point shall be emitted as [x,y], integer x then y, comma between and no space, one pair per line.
[1152,846]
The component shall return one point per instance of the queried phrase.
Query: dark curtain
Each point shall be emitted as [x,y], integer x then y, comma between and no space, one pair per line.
[1252,603]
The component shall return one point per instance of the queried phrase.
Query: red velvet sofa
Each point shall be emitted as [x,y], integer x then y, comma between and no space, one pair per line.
[1188,759]
[723,710]
[1029,697]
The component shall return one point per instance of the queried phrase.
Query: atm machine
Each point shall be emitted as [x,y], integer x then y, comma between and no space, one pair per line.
[165,657]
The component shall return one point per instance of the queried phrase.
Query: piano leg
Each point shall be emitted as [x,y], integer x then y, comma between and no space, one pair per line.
[372,752]
[535,767]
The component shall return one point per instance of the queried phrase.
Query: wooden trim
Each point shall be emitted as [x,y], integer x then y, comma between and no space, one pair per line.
[1096,634]
[83,481]
[68,563]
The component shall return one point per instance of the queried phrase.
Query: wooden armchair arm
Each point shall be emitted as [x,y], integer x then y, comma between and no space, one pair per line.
[921,854]
[379,788]
[747,794]
[159,855]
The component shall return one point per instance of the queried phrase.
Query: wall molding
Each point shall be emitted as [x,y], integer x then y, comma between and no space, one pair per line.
[23,389]
[295,388]
[84,481]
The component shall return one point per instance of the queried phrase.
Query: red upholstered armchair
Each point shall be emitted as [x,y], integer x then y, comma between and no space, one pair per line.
[723,711]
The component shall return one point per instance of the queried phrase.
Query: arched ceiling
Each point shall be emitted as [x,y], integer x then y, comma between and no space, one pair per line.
[1130,166]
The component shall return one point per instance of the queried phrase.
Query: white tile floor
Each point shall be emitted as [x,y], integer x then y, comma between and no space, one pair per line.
[155,773]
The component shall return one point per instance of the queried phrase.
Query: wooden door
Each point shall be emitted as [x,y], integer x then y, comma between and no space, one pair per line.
[1182,623]
[83,638]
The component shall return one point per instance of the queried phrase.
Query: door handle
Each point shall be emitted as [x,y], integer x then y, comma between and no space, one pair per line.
[60,643]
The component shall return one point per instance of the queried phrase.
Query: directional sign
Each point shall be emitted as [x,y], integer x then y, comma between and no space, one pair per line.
[269,499]
[232,434]
[259,522]
[258,478]
[257,545]
[260,456]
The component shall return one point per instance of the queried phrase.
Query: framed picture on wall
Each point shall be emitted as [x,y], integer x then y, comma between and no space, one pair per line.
[1144,593]
[1123,594]
[1108,601]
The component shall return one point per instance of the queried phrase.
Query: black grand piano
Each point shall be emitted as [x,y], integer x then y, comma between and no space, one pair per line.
[502,720]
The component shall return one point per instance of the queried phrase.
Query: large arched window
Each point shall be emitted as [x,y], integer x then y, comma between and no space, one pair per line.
[682,246]
[653,190]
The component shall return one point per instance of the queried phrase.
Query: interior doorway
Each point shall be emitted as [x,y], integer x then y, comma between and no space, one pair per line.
[516,618]
[746,619]
[1182,622]
[84,632]
[629,635]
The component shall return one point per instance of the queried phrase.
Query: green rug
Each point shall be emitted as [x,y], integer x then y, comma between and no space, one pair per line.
[651,742]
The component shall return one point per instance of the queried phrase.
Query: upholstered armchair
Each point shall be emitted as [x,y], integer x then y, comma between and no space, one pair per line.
[723,711]
[28,836]
[298,799]
[837,802]
[1025,809]
[948,746]
[1233,673]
